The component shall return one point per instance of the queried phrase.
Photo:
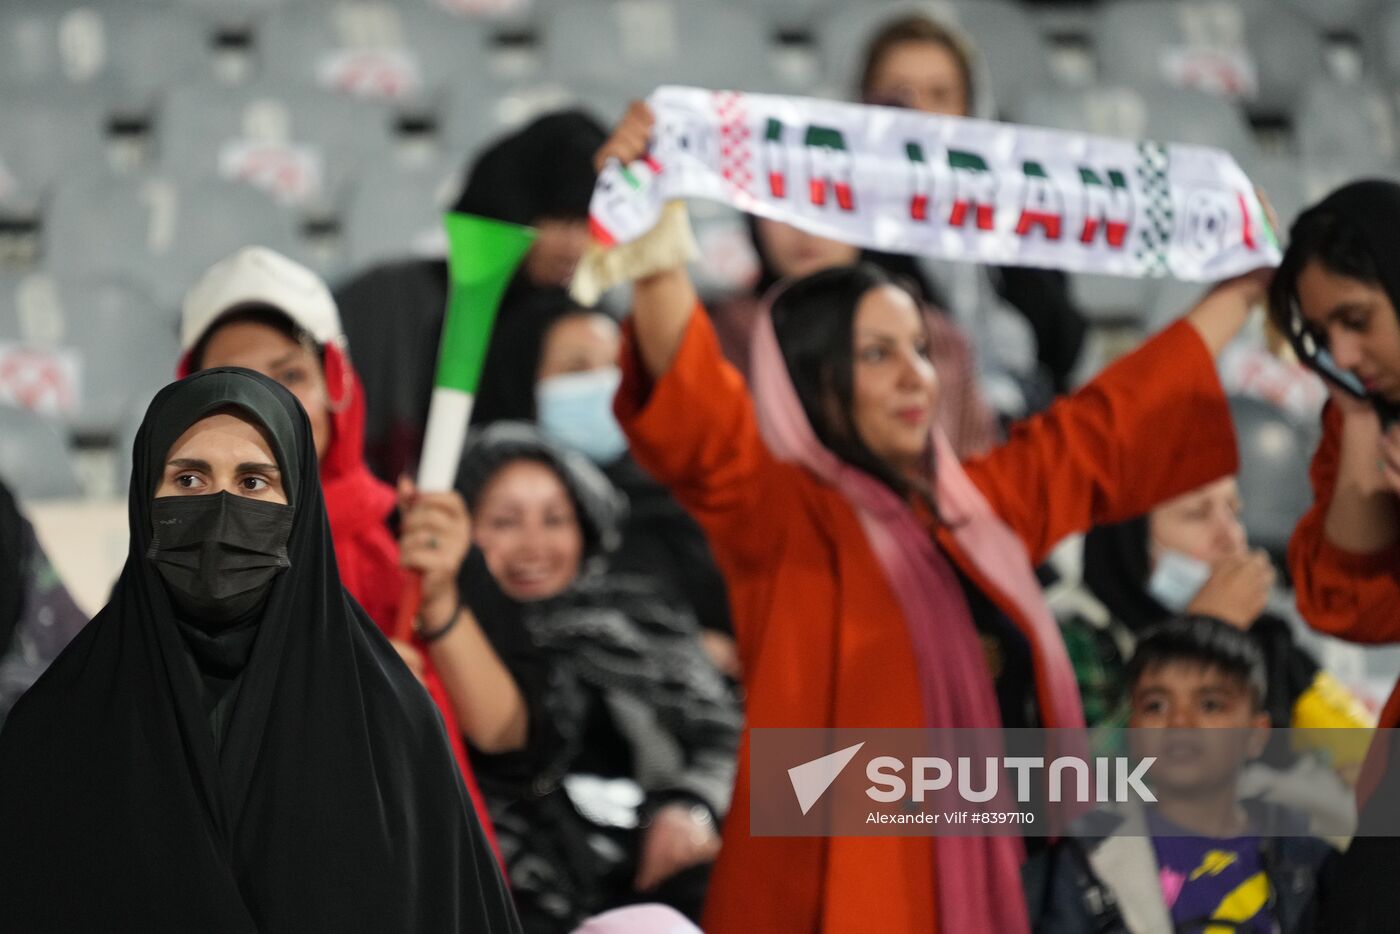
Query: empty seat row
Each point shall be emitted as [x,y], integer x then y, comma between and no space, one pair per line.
[1259,51]
[304,145]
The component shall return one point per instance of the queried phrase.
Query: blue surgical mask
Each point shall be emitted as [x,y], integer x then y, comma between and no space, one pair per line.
[575,409]
[1177,579]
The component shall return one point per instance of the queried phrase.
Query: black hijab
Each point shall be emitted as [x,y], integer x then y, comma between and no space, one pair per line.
[12,565]
[544,171]
[334,804]
[1117,566]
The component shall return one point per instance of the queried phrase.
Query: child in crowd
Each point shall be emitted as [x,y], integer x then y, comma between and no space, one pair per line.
[1198,859]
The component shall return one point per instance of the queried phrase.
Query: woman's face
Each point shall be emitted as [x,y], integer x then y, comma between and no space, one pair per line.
[895,388]
[795,253]
[1357,322]
[558,246]
[579,343]
[1203,524]
[272,353]
[527,530]
[222,454]
[919,75]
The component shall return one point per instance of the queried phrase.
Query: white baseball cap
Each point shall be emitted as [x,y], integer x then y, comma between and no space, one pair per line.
[256,275]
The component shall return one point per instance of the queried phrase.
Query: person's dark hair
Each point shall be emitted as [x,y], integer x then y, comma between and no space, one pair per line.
[915,28]
[567,313]
[598,505]
[1327,237]
[1207,642]
[266,315]
[814,320]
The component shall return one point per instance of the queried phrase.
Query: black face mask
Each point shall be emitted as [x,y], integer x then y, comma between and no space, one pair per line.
[218,553]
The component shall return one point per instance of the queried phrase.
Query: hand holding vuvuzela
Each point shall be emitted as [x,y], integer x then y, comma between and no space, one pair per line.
[482,258]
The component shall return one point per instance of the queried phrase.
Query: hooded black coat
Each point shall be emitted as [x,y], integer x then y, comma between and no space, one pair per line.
[333,803]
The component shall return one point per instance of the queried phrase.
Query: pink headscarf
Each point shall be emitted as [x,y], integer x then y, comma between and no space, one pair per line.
[980,876]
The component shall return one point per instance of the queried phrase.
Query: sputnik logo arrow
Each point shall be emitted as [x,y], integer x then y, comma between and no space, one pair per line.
[810,780]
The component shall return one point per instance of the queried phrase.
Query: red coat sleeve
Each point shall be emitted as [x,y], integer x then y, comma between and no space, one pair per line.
[1353,596]
[1153,425]
[695,431]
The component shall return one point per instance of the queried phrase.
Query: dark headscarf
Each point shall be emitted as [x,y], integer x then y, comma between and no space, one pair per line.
[334,803]
[543,171]
[12,562]
[1117,567]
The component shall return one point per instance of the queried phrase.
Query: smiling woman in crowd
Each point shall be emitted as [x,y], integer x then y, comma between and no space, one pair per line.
[627,731]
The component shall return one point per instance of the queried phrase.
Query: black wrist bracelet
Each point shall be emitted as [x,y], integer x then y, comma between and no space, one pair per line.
[426,637]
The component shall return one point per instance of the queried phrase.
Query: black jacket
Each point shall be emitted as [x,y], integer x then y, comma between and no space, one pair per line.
[1067,894]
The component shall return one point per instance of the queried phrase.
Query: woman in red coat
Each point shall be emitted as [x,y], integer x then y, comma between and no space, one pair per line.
[1336,295]
[1336,291]
[875,582]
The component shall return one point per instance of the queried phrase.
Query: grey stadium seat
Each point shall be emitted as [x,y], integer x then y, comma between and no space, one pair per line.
[1321,177]
[34,459]
[137,46]
[476,113]
[1001,33]
[1275,451]
[12,326]
[46,133]
[1335,121]
[126,347]
[199,124]
[396,212]
[791,15]
[1382,42]
[157,230]
[1226,43]
[370,47]
[636,45]
[1335,15]
[1169,115]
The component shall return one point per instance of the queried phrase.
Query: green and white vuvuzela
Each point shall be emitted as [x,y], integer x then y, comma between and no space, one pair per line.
[483,255]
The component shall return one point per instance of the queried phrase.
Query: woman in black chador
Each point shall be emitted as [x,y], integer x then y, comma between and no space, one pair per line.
[231,745]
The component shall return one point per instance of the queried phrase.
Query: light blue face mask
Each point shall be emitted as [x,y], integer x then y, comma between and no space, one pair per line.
[575,409]
[1177,579]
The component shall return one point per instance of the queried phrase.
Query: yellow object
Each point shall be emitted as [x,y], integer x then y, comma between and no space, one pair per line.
[1327,705]
[1242,904]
